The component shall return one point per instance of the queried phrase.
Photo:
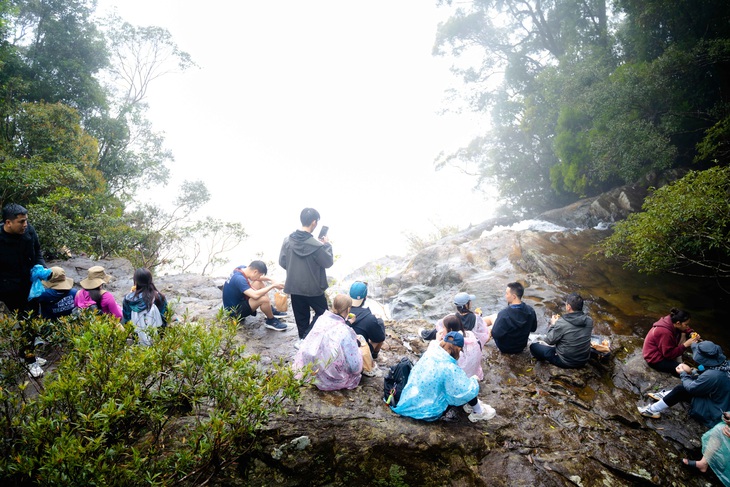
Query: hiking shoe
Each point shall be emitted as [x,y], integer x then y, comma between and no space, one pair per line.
[658,396]
[276,312]
[275,324]
[487,413]
[647,413]
[40,361]
[35,370]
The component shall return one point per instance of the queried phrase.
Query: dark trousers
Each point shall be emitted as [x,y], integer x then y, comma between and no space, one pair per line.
[549,354]
[677,395]
[300,307]
[666,366]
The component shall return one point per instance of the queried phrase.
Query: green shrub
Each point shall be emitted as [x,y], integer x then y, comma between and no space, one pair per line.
[112,413]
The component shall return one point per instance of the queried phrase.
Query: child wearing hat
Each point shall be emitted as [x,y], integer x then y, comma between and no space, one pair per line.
[94,294]
[708,390]
[57,298]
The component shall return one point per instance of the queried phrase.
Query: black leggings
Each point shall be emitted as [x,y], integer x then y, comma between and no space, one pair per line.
[677,395]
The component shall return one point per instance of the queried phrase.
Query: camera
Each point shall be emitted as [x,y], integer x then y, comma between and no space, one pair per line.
[323,231]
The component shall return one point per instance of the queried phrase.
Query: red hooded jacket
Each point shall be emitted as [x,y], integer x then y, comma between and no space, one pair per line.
[663,342]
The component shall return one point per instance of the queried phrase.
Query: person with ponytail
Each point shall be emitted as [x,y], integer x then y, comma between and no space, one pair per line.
[470,359]
[667,341]
[143,296]
[331,349]
[470,320]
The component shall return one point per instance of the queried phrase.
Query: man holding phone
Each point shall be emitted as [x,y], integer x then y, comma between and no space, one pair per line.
[305,259]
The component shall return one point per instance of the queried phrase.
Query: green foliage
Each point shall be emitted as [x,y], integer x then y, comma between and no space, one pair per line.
[112,413]
[416,243]
[684,228]
[586,95]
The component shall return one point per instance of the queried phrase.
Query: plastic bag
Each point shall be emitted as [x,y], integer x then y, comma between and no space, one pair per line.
[281,301]
[38,274]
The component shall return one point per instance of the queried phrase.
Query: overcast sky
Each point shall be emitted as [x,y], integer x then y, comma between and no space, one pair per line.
[328,104]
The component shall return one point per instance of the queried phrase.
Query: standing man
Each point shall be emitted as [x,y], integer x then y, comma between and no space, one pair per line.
[571,335]
[246,290]
[305,259]
[513,325]
[20,250]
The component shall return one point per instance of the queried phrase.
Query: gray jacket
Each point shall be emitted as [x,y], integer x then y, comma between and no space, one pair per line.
[571,335]
[305,259]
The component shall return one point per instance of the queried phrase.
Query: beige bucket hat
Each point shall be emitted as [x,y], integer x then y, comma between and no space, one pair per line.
[58,280]
[96,278]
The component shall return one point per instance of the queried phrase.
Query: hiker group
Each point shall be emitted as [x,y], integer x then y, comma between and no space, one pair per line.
[28,289]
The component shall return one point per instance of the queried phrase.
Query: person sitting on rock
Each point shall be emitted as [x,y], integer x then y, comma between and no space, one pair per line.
[471,321]
[470,359]
[570,334]
[715,451]
[437,382]
[708,390]
[366,324]
[331,349]
[143,295]
[57,299]
[246,291]
[93,294]
[513,325]
[667,340]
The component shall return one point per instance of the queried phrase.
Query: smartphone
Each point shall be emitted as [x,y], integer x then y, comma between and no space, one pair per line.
[323,232]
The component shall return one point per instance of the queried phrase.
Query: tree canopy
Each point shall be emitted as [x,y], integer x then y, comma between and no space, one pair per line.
[583,95]
[75,142]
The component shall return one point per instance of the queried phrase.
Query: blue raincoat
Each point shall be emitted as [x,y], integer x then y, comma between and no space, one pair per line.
[436,382]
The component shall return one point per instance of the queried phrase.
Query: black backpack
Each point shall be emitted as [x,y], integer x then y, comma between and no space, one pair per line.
[396,380]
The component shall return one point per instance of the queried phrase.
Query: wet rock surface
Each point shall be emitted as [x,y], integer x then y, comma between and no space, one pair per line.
[553,426]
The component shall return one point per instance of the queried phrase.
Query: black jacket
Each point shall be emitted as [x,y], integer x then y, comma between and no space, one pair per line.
[18,255]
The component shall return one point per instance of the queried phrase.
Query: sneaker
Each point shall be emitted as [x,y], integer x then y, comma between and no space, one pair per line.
[658,396]
[487,413]
[276,312]
[35,370]
[647,413]
[297,343]
[40,361]
[468,409]
[275,324]
[373,373]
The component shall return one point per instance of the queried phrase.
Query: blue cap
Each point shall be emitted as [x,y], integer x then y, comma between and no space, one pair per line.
[358,290]
[456,338]
[462,298]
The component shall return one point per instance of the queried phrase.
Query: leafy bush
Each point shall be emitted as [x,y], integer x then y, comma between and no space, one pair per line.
[112,413]
[684,228]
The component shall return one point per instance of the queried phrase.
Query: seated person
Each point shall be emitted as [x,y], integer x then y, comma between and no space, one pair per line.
[667,340]
[470,359]
[93,294]
[708,392]
[472,321]
[246,290]
[437,382]
[715,451]
[366,324]
[570,334]
[513,325]
[331,348]
[57,299]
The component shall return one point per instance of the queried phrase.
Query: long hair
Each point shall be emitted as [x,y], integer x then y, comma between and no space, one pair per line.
[143,285]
